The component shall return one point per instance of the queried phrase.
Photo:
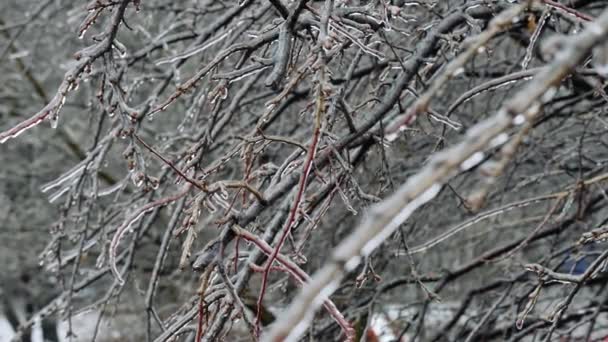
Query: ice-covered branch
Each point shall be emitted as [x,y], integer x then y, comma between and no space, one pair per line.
[71,78]
[385,217]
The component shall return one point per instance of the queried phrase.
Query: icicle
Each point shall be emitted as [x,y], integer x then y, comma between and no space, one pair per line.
[54,116]
[54,119]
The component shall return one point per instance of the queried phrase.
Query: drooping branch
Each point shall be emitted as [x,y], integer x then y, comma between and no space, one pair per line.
[71,78]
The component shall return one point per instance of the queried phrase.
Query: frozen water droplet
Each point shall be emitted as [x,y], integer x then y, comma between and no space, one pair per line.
[73,86]
[54,119]
[519,119]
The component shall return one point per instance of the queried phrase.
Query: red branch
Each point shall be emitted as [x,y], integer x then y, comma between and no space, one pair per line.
[297,273]
[292,215]
[201,314]
[569,10]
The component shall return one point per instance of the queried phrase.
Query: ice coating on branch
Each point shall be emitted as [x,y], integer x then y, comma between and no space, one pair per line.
[392,136]
[54,120]
[352,263]
[472,161]
[405,212]
[303,324]
[76,171]
[548,95]
[111,189]
[193,51]
[499,140]
[120,232]
[54,115]
[247,74]
[82,33]
[458,71]
[20,128]
[58,194]
[595,28]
